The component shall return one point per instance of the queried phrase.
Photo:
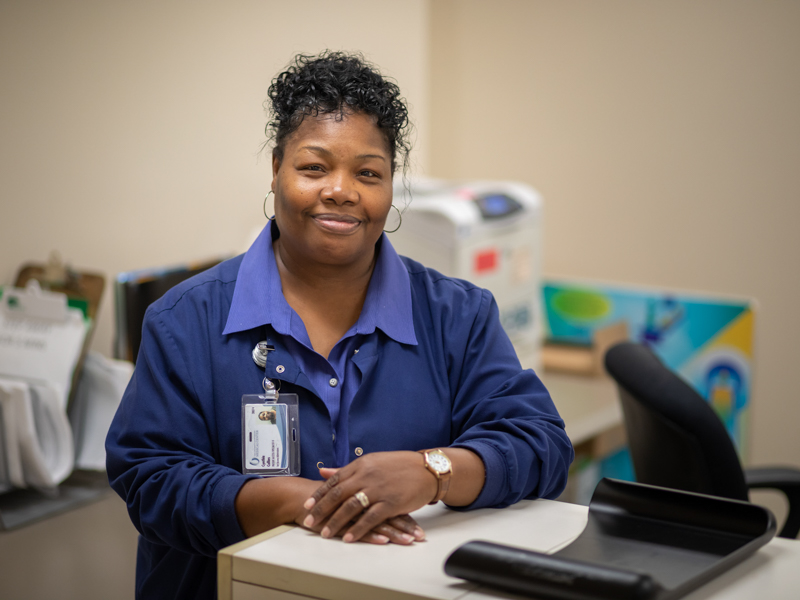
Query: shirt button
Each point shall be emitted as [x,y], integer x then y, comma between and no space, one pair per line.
[280,368]
[359,451]
[333,437]
[355,351]
[334,382]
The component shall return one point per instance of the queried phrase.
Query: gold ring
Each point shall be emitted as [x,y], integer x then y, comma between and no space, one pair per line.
[362,498]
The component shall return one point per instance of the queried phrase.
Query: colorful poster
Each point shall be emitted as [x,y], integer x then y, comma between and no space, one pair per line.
[707,340]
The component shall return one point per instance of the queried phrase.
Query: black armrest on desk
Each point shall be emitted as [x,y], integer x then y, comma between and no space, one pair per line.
[785,480]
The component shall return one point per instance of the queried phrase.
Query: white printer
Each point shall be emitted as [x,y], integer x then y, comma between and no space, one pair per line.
[487,232]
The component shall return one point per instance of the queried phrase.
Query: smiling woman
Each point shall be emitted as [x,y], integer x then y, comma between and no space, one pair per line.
[409,389]
[333,190]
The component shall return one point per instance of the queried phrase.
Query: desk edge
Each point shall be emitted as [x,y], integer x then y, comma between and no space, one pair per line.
[225,559]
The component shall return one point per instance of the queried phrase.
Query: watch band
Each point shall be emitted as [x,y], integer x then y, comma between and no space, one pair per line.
[444,485]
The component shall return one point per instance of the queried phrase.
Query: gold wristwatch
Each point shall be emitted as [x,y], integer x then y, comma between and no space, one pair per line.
[437,463]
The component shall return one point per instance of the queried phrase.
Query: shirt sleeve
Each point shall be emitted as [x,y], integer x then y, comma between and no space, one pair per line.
[505,415]
[160,452]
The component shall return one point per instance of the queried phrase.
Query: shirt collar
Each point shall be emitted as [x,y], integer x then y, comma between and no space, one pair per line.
[258,298]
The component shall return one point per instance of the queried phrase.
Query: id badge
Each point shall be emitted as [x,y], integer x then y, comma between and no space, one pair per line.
[270,435]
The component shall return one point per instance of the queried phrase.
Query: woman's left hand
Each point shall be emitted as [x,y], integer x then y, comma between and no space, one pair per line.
[391,483]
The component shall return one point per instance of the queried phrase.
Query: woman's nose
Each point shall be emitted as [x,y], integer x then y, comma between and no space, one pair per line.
[340,191]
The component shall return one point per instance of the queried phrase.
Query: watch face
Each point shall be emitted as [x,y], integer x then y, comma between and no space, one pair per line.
[439,462]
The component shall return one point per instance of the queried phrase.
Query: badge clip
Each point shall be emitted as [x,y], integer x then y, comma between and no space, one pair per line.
[269,389]
[259,353]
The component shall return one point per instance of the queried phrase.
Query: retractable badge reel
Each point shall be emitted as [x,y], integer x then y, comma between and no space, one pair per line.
[270,427]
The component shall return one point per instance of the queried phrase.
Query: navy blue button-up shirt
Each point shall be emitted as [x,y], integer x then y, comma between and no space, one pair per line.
[174,447]
[258,301]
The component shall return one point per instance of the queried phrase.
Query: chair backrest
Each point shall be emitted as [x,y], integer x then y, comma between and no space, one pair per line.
[676,439]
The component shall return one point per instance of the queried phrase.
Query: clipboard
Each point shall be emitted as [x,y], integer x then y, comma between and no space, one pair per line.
[44,439]
[83,289]
[41,338]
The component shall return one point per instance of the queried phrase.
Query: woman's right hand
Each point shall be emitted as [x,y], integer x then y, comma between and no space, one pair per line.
[263,504]
[402,529]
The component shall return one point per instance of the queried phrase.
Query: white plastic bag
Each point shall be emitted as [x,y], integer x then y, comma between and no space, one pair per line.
[100,388]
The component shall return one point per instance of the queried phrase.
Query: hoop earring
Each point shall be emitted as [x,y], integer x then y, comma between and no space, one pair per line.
[399,216]
[272,218]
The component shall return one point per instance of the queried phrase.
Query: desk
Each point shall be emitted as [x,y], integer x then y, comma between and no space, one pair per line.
[290,563]
[589,405]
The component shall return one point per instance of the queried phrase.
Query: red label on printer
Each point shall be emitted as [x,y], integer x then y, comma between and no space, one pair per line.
[486,261]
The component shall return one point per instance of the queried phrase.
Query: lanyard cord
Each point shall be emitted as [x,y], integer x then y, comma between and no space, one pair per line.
[260,358]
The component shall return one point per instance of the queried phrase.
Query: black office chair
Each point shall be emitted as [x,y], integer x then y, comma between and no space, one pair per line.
[677,441]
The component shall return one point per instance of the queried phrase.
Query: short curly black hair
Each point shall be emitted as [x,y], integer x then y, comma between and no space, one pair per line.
[337,82]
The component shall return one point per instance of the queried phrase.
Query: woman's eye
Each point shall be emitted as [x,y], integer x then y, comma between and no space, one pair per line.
[368,174]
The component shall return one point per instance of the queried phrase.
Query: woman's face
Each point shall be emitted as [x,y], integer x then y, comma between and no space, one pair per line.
[333,190]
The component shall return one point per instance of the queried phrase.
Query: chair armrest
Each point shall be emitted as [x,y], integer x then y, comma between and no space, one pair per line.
[785,480]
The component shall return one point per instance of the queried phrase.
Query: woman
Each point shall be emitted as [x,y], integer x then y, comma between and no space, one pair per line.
[388,359]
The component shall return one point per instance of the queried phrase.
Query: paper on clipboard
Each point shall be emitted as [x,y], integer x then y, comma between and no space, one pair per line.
[41,337]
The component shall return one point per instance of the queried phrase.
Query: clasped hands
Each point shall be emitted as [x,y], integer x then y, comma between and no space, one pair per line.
[370,498]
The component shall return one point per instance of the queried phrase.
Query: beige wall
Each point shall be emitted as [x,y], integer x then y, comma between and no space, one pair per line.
[665,139]
[130,131]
